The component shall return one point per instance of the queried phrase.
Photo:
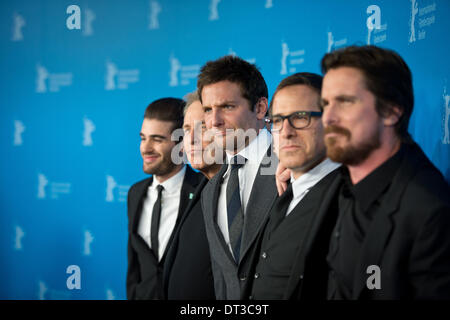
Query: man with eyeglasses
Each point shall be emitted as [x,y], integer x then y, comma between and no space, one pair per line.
[295,123]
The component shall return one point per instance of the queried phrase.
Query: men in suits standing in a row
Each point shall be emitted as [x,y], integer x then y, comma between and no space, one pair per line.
[155,205]
[284,249]
[187,269]
[236,201]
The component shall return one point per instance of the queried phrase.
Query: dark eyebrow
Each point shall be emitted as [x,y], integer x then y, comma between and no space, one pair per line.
[226,103]
[345,97]
[153,136]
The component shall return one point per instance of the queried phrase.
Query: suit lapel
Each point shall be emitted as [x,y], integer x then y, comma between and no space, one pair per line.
[382,226]
[262,196]
[323,213]
[210,199]
[137,202]
[190,182]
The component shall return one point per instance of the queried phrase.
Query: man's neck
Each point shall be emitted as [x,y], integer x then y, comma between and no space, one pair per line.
[298,172]
[376,158]
[211,170]
[169,175]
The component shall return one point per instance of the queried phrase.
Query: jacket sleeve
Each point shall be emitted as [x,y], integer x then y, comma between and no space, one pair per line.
[133,273]
[430,257]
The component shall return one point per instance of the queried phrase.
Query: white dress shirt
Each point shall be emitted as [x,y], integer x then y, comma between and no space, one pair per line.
[170,201]
[254,153]
[302,185]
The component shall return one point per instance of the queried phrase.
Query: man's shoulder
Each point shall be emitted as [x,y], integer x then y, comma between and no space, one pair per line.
[426,186]
[140,185]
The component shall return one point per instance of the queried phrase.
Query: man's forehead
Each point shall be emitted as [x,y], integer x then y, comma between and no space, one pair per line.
[222,92]
[156,126]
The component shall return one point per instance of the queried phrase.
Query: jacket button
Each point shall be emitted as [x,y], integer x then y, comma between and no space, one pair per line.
[301,277]
[256,275]
[264,255]
[243,278]
[250,298]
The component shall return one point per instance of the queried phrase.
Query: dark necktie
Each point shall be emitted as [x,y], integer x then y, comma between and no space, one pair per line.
[156,216]
[234,208]
[281,206]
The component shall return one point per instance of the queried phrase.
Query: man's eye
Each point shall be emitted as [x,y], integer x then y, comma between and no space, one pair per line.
[276,120]
[228,107]
[206,110]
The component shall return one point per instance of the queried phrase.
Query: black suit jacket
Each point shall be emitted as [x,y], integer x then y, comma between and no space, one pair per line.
[144,275]
[408,239]
[187,268]
[313,244]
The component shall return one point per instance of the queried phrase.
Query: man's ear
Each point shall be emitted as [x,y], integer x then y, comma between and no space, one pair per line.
[261,108]
[393,117]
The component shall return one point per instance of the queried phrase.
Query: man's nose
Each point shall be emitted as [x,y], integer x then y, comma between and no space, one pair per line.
[287,131]
[330,115]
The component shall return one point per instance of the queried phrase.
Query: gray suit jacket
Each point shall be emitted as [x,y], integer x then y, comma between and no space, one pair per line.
[230,279]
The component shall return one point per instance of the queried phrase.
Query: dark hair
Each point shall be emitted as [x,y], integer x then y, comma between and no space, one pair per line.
[312,80]
[387,77]
[166,109]
[234,69]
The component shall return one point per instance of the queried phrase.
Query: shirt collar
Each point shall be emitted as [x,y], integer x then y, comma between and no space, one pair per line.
[369,189]
[256,149]
[173,183]
[307,180]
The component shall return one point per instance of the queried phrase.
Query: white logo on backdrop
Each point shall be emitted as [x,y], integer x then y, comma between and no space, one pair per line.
[155,9]
[88,238]
[44,293]
[55,80]
[412,21]
[111,186]
[110,295]
[446,139]
[42,183]
[89,127]
[18,238]
[56,188]
[19,128]
[290,59]
[181,74]
[174,68]
[42,75]
[426,16]
[119,79]
[89,17]
[334,44]
[42,290]
[18,23]
[213,11]
[268,4]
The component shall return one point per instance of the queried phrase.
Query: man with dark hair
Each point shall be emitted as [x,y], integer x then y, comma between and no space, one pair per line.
[187,269]
[295,122]
[391,239]
[236,201]
[156,204]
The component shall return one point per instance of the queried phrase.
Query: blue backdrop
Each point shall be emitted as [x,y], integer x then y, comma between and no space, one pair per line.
[73,95]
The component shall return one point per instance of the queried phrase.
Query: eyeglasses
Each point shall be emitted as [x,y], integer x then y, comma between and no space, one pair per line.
[297,120]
